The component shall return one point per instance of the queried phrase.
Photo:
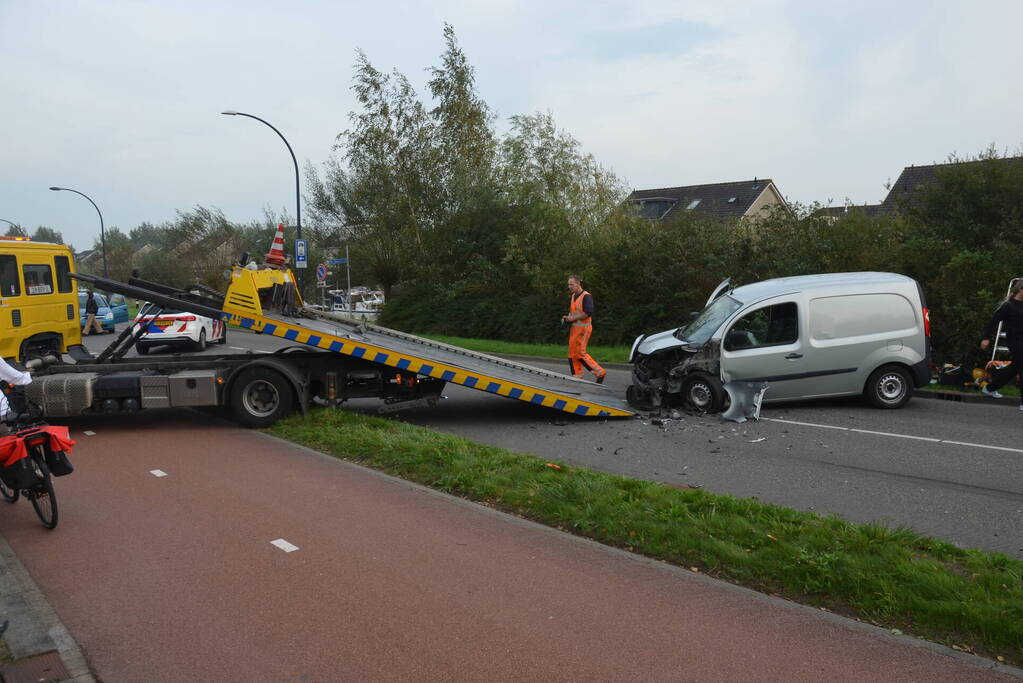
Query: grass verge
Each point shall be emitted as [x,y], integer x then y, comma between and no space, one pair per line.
[894,578]
[603,354]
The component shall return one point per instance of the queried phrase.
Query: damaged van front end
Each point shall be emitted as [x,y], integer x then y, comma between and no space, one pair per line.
[683,366]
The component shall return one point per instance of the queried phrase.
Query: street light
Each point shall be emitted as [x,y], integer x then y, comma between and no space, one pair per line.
[298,193]
[102,232]
[13,225]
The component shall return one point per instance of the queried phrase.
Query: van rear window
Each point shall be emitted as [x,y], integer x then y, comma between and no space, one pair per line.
[841,317]
[38,279]
[9,284]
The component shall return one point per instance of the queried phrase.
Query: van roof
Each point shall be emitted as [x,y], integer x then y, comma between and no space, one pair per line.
[784,285]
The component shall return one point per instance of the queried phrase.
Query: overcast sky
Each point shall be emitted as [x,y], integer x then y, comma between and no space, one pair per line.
[121,100]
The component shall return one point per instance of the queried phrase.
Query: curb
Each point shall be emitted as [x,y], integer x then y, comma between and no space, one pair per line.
[34,629]
[963,397]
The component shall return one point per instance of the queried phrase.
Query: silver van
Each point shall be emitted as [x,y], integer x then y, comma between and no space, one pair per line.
[811,336]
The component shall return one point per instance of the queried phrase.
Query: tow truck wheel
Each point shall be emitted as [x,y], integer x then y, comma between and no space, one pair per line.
[260,397]
[141,349]
[704,393]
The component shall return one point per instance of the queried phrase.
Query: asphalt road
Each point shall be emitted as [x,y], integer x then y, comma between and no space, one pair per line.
[192,550]
[947,470]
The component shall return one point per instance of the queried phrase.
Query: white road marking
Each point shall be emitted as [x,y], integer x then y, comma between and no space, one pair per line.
[89,433]
[804,424]
[981,445]
[284,545]
[894,435]
[158,473]
[242,348]
[898,436]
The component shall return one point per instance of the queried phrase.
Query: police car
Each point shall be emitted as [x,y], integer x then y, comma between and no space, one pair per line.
[174,327]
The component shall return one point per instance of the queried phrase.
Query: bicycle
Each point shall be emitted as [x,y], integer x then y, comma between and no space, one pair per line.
[32,474]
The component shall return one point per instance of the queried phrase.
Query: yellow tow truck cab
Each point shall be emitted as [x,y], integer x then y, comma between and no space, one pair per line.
[38,299]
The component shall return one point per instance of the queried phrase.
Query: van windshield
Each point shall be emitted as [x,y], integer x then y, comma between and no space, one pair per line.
[707,323]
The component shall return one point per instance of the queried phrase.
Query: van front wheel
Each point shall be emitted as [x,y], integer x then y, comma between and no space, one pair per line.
[889,387]
[704,393]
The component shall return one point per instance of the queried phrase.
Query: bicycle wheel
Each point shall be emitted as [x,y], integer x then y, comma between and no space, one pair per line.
[10,495]
[44,500]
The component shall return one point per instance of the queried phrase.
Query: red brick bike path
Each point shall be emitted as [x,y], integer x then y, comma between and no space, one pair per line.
[175,578]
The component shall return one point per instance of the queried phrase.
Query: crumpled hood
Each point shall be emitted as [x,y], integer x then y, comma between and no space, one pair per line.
[658,342]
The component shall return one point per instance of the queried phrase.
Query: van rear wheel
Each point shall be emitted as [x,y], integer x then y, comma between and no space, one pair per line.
[889,387]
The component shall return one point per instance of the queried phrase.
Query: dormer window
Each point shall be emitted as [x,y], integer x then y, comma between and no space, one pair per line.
[731,200]
[654,208]
[693,204]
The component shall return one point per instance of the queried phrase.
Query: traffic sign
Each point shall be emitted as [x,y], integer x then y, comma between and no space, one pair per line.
[321,272]
[301,260]
[337,261]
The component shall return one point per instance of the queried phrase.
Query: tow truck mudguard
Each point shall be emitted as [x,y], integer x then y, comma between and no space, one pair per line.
[298,382]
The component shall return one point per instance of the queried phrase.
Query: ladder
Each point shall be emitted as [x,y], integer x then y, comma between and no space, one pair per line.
[999,344]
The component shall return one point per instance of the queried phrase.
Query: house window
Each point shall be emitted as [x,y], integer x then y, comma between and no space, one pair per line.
[693,204]
[654,209]
[732,200]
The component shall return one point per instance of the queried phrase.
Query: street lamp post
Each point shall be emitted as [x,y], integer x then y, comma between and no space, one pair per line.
[102,231]
[13,225]
[298,193]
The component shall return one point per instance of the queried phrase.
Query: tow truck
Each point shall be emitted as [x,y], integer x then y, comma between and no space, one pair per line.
[333,360]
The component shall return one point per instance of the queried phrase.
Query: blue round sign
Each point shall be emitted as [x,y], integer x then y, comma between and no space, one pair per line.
[321,272]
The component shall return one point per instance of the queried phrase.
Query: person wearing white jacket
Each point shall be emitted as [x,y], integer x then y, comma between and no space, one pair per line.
[14,377]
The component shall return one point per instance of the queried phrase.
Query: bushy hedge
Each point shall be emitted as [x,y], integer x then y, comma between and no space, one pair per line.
[647,275]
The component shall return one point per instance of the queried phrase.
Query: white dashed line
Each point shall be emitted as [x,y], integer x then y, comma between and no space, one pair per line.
[158,473]
[895,436]
[89,433]
[284,545]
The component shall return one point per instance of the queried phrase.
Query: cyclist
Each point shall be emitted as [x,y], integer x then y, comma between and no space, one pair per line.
[13,377]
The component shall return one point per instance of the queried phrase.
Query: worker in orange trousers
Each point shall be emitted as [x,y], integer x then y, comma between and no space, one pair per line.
[580,316]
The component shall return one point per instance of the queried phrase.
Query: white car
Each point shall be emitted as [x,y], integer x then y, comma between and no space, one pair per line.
[174,327]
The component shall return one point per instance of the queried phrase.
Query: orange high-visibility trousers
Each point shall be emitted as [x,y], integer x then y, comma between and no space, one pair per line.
[578,359]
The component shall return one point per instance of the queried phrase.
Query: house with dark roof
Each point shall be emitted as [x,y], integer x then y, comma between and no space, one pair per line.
[736,200]
[910,181]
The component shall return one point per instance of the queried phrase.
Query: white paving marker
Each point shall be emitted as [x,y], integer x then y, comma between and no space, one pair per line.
[895,436]
[158,473]
[284,545]
[88,432]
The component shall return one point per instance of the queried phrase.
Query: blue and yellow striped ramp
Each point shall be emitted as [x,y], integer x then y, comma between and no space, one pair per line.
[444,362]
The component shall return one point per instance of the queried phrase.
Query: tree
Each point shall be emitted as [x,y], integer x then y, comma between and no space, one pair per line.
[384,197]
[119,255]
[16,231]
[44,234]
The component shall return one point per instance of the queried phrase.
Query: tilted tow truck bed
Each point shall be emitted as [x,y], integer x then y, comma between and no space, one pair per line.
[265,301]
